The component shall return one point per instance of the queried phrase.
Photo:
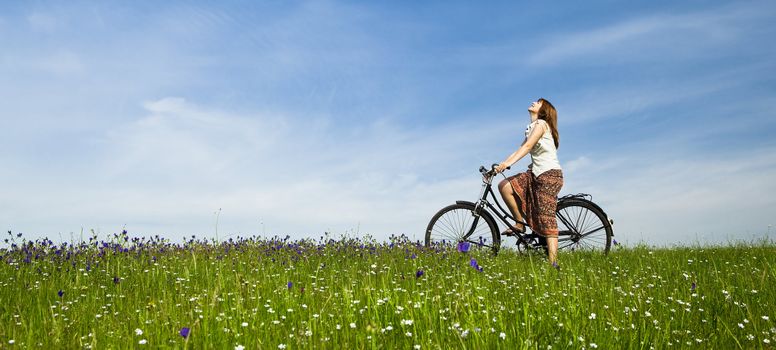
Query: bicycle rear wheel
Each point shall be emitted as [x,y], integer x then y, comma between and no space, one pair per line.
[582,226]
[458,223]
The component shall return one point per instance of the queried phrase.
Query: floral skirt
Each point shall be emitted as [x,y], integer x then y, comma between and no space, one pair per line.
[537,199]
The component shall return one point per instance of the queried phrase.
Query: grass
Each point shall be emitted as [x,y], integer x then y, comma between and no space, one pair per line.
[360,294]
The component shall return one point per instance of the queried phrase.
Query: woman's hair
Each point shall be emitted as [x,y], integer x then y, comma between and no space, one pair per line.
[548,113]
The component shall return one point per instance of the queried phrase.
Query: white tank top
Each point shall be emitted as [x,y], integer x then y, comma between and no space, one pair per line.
[544,155]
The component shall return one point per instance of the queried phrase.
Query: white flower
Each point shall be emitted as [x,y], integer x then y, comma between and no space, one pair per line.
[406,322]
[409,334]
[740,325]
[592,316]
[766,318]
[352,325]
[338,327]
[502,335]
[416,347]
[244,324]
[239,347]
[281,346]
[647,313]
[11,341]
[593,346]
[142,342]
[138,331]
[766,341]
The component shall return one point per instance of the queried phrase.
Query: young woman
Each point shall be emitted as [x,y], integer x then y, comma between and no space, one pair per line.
[531,196]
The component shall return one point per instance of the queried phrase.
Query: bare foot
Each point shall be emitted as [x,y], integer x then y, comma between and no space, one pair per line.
[519,228]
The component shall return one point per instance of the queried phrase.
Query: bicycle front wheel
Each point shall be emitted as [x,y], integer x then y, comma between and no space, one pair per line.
[459,223]
[582,226]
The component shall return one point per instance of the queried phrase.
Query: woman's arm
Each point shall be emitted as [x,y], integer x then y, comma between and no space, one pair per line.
[528,144]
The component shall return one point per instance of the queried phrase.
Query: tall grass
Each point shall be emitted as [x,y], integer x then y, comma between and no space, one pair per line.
[275,293]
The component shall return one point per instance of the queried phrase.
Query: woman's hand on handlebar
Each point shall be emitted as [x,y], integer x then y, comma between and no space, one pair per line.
[499,168]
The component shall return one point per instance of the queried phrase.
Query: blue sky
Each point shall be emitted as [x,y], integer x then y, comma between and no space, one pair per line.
[365,118]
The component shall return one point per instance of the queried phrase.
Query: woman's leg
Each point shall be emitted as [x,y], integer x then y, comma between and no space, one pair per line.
[552,249]
[507,193]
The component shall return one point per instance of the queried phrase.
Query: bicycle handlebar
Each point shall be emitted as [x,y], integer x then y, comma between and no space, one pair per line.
[492,172]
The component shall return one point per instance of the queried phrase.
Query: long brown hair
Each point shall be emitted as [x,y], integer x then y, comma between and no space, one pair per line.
[548,113]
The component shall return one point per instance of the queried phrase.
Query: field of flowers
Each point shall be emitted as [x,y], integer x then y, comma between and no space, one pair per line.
[274,293]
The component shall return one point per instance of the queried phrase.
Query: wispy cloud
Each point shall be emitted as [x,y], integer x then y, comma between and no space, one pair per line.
[169,170]
[655,35]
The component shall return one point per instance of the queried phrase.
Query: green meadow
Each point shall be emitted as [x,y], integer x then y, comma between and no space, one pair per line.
[275,293]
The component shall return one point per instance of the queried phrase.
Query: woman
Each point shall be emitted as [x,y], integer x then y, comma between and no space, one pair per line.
[531,196]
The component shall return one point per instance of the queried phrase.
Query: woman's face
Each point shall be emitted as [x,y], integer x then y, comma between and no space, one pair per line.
[534,107]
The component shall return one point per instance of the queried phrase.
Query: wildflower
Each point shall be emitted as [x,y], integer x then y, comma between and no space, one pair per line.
[409,334]
[592,316]
[138,331]
[185,332]
[766,318]
[239,347]
[11,341]
[473,263]
[142,342]
[502,335]
[766,341]
[352,325]
[116,280]
[740,325]
[406,322]
[244,324]
[555,265]
[593,346]
[692,287]
[419,273]
[647,314]
[60,293]
[290,284]
[416,347]
[281,346]
[463,247]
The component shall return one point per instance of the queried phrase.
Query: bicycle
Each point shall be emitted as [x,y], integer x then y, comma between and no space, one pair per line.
[582,224]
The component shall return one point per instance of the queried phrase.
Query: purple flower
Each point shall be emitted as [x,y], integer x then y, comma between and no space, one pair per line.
[185,332]
[419,273]
[615,242]
[555,265]
[463,247]
[692,287]
[60,293]
[473,263]
[290,284]
[116,280]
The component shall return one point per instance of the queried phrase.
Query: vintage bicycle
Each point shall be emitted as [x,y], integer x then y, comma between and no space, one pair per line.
[582,224]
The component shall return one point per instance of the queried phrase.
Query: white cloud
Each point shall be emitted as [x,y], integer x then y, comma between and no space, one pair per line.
[654,36]
[168,171]
[662,197]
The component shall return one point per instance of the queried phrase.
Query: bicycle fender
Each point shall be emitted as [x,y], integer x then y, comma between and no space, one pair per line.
[581,199]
